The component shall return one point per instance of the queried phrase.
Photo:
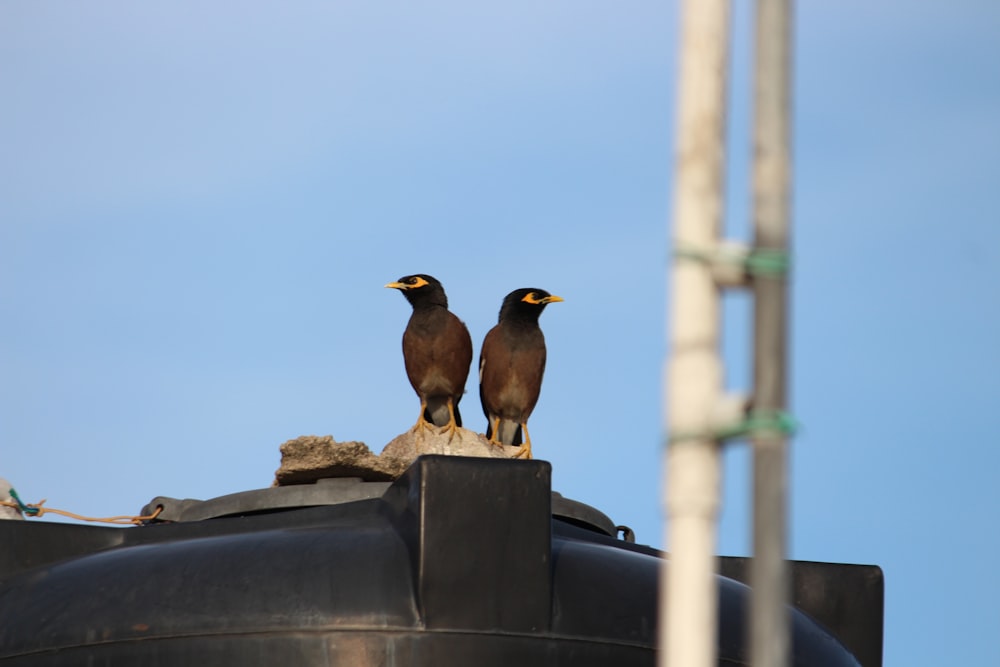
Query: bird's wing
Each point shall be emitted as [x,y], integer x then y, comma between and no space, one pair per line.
[487,344]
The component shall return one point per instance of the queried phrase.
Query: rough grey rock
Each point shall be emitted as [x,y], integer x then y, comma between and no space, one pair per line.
[309,457]
[411,444]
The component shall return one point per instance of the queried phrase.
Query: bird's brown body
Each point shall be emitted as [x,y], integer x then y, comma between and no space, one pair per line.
[511,366]
[437,351]
[512,379]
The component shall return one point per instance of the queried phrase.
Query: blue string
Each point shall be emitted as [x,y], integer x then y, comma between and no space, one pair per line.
[30,511]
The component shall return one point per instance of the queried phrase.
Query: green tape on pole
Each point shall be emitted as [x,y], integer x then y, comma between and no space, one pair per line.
[768,262]
[756,423]
[758,262]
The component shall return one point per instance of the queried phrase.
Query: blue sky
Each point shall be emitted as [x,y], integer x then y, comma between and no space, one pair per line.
[201,202]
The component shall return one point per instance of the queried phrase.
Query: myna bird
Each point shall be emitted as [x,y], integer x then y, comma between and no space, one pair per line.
[511,365]
[437,351]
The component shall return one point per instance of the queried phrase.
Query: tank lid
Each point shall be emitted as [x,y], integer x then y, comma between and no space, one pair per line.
[334,491]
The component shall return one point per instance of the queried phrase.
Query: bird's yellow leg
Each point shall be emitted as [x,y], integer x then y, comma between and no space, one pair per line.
[421,422]
[452,425]
[494,435]
[525,450]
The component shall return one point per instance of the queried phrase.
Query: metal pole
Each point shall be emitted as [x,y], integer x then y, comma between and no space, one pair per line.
[688,595]
[770,632]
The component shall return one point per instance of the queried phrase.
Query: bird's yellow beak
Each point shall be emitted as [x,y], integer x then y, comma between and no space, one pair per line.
[535,301]
[398,286]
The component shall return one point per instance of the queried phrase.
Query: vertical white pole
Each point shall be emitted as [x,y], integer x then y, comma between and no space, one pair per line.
[694,382]
[770,642]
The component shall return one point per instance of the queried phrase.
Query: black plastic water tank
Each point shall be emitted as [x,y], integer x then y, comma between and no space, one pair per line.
[460,562]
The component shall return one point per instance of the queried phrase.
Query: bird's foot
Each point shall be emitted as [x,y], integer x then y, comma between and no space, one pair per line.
[421,426]
[419,431]
[524,451]
[493,437]
[493,442]
[451,428]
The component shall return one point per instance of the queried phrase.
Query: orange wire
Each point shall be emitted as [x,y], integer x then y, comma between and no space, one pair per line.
[117,520]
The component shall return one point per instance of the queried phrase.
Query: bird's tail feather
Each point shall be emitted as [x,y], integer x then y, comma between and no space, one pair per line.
[509,432]
[437,412]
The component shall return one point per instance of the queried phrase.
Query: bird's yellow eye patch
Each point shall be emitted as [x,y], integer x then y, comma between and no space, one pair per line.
[533,299]
[413,282]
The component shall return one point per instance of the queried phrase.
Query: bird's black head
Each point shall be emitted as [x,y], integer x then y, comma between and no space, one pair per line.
[421,289]
[526,303]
